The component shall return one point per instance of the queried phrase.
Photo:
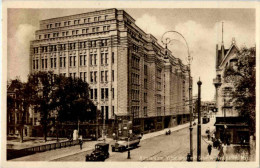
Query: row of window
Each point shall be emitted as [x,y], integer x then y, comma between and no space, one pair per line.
[71,46]
[135,94]
[77,21]
[135,79]
[72,61]
[135,62]
[75,32]
[135,111]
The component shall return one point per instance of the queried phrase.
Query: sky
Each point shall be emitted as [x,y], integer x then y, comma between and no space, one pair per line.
[200,27]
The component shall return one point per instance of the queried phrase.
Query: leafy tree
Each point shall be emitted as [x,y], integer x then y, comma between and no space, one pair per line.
[42,85]
[20,101]
[243,78]
[72,100]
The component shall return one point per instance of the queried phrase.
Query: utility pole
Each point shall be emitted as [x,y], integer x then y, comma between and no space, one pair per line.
[190,109]
[97,125]
[199,123]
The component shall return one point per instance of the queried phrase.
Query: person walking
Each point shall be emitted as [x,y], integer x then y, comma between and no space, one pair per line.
[80,143]
[209,148]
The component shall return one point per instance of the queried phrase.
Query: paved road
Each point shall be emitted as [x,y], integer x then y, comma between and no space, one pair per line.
[173,147]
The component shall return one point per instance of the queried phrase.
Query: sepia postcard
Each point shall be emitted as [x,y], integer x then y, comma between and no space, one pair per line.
[130,84]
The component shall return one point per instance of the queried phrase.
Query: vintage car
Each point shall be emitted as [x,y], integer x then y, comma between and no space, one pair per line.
[124,142]
[100,153]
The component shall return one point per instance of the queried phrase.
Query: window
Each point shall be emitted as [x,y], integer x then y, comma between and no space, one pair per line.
[145,97]
[64,61]
[102,93]
[102,58]
[106,93]
[89,19]
[95,91]
[81,75]
[85,60]
[68,22]
[51,63]
[106,58]
[70,60]
[37,64]
[113,55]
[74,75]
[60,61]
[102,76]
[91,94]
[74,61]
[91,59]
[145,83]
[113,93]
[113,110]
[40,36]
[93,29]
[113,76]
[65,23]
[42,63]
[145,111]
[106,112]
[105,17]
[106,76]
[54,62]
[85,76]
[95,59]
[95,76]
[145,70]
[91,77]
[33,64]
[80,60]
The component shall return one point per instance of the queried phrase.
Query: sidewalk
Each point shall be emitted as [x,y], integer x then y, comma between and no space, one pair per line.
[89,145]
[31,142]
[157,133]
[59,153]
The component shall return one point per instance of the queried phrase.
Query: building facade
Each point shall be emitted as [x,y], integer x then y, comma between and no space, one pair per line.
[230,127]
[224,59]
[126,68]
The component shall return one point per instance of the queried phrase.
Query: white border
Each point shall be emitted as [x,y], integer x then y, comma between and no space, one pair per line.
[120,4]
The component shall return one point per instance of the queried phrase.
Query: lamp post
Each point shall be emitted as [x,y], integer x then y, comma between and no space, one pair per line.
[189,60]
[199,123]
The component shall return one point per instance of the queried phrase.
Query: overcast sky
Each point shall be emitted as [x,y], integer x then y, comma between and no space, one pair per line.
[200,27]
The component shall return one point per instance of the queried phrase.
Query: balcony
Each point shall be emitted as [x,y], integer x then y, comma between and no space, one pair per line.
[217,81]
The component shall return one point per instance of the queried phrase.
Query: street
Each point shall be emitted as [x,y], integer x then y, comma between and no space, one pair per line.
[174,147]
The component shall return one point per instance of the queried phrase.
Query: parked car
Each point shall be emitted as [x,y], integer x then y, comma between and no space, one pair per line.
[100,153]
[122,143]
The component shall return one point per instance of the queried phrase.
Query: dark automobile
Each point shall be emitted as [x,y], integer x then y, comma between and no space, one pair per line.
[100,153]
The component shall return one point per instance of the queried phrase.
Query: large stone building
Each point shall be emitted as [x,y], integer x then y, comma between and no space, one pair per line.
[128,72]
[230,127]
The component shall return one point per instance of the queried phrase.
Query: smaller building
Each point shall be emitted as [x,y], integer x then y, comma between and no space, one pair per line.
[230,127]
[232,130]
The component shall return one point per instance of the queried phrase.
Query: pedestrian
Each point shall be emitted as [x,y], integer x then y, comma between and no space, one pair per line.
[80,144]
[221,153]
[209,148]
[208,136]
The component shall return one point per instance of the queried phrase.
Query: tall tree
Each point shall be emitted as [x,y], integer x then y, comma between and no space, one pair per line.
[243,78]
[42,85]
[72,100]
[20,101]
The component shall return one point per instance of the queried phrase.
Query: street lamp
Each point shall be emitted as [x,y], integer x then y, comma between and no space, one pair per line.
[189,60]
